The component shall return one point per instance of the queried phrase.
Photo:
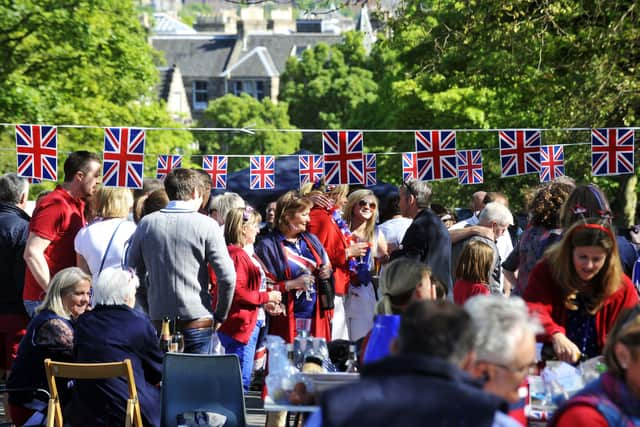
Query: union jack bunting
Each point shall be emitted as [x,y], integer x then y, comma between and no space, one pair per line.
[470,167]
[262,173]
[370,170]
[123,157]
[519,152]
[436,153]
[343,160]
[167,163]
[216,167]
[310,168]
[409,166]
[37,150]
[611,151]
[551,162]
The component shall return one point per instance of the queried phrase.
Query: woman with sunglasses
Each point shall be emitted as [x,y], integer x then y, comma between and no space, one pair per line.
[578,290]
[614,398]
[360,214]
[294,260]
[239,333]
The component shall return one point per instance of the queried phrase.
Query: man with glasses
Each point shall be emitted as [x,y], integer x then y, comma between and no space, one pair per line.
[426,239]
[505,347]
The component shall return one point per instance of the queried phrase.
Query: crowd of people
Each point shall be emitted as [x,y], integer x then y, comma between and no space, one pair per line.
[92,274]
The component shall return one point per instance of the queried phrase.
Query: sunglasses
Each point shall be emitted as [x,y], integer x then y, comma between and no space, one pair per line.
[248,210]
[363,203]
[409,188]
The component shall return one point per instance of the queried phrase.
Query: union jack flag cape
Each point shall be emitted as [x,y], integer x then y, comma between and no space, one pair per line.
[409,166]
[262,173]
[310,168]
[436,151]
[370,170]
[343,160]
[519,152]
[611,151]
[216,167]
[167,163]
[470,167]
[551,162]
[123,158]
[37,151]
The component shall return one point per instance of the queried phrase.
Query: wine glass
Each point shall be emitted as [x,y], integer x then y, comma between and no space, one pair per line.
[177,343]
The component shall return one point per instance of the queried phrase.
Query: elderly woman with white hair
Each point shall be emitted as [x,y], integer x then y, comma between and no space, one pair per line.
[505,346]
[114,331]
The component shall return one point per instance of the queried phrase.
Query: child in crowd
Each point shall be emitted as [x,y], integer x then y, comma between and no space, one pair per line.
[472,272]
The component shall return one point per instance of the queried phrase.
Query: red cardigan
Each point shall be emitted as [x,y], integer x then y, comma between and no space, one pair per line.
[464,289]
[247,297]
[544,299]
[327,231]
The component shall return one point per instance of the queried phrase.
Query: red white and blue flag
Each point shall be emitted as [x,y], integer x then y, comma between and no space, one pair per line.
[409,166]
[551,162]
[123,158]
[343,160]
[167,163]
[216,167]
[310,168]
[370,178]
[611,151]
[436,152]
[519,151]
[262,173]
[37,150]
[470,167]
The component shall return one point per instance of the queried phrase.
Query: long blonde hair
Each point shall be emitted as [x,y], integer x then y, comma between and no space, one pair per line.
[352,201]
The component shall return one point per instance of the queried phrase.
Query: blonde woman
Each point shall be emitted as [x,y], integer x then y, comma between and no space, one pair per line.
[360,213]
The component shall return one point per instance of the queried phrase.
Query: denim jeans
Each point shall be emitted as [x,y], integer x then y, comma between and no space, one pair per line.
[245,352]
[197,340]
[30,307]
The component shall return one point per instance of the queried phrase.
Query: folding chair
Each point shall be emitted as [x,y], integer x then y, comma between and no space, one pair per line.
[203,383]
[88,371]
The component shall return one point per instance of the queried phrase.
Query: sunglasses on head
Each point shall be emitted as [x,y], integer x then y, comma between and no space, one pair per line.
[363,203]
[408,187]
[248,210]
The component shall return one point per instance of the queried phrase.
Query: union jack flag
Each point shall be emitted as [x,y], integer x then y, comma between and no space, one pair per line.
[123,157]
[519,151]
[167,163]
[470,167]
[216,167]
[370,170]
[310,168]
[37,149]
[262,173]
[611,151]
[436,151]
[551,162]
[343,160]
[409,166]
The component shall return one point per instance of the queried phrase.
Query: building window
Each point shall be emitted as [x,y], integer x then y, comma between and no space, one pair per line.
[254,88]
[200,95]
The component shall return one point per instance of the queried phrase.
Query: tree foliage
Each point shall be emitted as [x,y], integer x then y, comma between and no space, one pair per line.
[81,62]
[244,111]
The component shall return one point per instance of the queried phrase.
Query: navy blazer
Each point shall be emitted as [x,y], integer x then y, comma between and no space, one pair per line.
[109,334]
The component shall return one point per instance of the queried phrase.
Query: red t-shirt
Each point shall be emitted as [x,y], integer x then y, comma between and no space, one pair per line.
[464,289]
[58,218]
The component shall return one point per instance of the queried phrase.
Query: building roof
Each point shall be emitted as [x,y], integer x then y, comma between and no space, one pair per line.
[197,56]
[256,63]
[165,24]
[164,85]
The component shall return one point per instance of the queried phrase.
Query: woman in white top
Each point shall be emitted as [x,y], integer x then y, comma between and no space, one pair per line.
[101,244]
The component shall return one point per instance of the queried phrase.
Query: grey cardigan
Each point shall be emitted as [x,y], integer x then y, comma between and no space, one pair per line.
[173,246]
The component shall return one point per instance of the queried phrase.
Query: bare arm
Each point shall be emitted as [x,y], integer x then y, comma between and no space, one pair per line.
[510,280]
[82,264]
[35,260]
[474,230]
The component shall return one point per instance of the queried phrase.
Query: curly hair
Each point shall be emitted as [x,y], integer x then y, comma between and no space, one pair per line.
[546,204]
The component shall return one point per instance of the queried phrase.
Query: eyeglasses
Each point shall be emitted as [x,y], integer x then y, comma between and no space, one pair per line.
[372,205]
[519,370]
[409,188]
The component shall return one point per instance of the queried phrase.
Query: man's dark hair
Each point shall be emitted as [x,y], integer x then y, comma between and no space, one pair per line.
[78,161]
[12,187]
[205,187]
[180,183]
[438,329]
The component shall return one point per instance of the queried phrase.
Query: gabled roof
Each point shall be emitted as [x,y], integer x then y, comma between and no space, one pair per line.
[164,85]
[257,63]
[198,55]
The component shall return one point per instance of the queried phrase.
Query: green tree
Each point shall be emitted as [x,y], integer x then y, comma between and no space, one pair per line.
[244,111]
[83,62]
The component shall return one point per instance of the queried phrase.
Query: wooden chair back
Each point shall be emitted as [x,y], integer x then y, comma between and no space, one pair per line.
[87,371]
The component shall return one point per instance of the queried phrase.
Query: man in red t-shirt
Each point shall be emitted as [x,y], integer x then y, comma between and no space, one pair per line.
[54,225]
